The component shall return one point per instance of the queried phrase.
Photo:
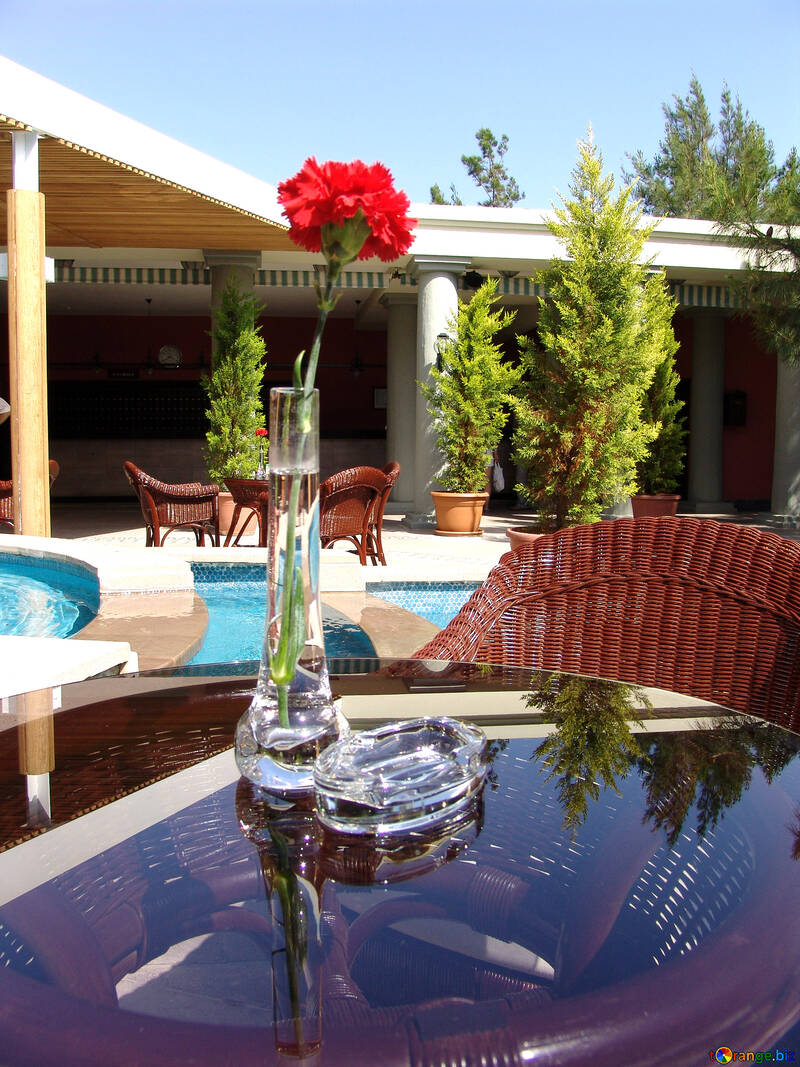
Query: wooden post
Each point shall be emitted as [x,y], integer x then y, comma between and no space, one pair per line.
[28,362]
[36,752]
[36,744]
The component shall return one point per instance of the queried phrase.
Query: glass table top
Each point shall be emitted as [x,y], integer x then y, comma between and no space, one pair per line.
[623,889]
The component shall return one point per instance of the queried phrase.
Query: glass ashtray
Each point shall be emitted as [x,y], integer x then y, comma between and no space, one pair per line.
[400,776]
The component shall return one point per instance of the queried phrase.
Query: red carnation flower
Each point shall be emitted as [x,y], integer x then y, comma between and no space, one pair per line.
[261,432]
[342,197]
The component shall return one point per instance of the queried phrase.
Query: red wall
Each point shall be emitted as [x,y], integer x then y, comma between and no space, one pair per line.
[747,450]
[84,348]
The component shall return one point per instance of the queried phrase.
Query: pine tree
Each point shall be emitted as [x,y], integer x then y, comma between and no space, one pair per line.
[233,388]
[769,289]
[604,326]
[675,182]
[489,173]
[468,396]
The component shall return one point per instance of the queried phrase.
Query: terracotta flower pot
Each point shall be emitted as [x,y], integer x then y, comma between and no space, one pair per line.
[459,514]
[645,504]
[225,508]
[522,535]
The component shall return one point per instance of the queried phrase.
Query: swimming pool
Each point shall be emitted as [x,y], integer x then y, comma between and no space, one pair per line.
[236,596]
[437,602]
[45,597]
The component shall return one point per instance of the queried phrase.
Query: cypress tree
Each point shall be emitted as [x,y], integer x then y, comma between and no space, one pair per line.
[468,396]
[604,325]
[233,388]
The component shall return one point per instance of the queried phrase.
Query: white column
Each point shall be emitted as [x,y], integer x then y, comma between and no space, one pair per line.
[226,265]
[401,389]
[786,460]
[705,415]
[437,305]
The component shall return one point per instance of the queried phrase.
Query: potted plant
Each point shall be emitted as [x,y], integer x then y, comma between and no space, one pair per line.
[235,413]
[468,397]
[604,325]
[658,473]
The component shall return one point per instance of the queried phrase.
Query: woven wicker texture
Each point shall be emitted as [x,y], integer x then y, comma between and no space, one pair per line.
[348,503]
[7,499]
[165,507]
[392,472]
[250,497]
[701,607]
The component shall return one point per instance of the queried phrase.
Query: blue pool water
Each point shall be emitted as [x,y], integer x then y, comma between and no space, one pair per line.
[236,596]
[437,602]
[45,598]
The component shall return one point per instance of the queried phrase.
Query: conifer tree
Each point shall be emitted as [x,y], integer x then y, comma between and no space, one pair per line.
[469,395]
[488,171]
[662,466]
[604,326]
[233,388]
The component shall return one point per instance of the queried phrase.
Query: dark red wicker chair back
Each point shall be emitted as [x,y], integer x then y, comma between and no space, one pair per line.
[6,503]
[701,607]
[165,507]
[392,473]
[346,505]
[7,499]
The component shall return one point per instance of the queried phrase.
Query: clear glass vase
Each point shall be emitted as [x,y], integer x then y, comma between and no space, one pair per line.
[292,717]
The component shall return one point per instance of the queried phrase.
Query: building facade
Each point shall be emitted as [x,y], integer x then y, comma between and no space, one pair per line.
[143,233]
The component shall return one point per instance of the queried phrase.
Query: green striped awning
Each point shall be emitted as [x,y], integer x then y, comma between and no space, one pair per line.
[688,296]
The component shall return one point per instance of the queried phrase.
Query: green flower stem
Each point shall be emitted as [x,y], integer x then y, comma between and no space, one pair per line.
[291,639]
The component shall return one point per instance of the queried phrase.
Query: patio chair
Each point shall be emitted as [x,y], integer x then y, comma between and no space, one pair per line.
[165,507]
[697,606]
[347,502]
[375,550]
[7,500]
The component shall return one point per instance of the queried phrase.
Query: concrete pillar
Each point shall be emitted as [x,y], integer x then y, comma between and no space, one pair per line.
[27,338]
[786,460]
[401,391]
[705,415]
[437,305]
[225,265]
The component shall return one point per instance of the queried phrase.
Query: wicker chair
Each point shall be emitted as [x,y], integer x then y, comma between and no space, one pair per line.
[6,495]
[392,472]
[347,502]
[165,507]
[701,607]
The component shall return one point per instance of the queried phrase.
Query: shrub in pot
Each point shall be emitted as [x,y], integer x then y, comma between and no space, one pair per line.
[468,395]
[233,389]
[604,325]
[659,472]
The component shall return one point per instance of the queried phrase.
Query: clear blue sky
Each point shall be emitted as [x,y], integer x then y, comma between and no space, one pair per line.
[262,85]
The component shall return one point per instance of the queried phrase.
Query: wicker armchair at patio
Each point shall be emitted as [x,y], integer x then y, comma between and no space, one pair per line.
[6,498]
[701,607]
[392,473]
[347,502]
[165,507]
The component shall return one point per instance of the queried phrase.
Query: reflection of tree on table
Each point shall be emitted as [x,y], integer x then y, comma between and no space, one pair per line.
[592,742]
[709,770]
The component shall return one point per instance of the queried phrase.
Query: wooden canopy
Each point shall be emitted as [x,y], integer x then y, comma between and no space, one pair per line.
[94,201]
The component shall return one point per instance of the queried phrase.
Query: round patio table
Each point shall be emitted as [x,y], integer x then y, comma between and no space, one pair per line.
[623,889]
